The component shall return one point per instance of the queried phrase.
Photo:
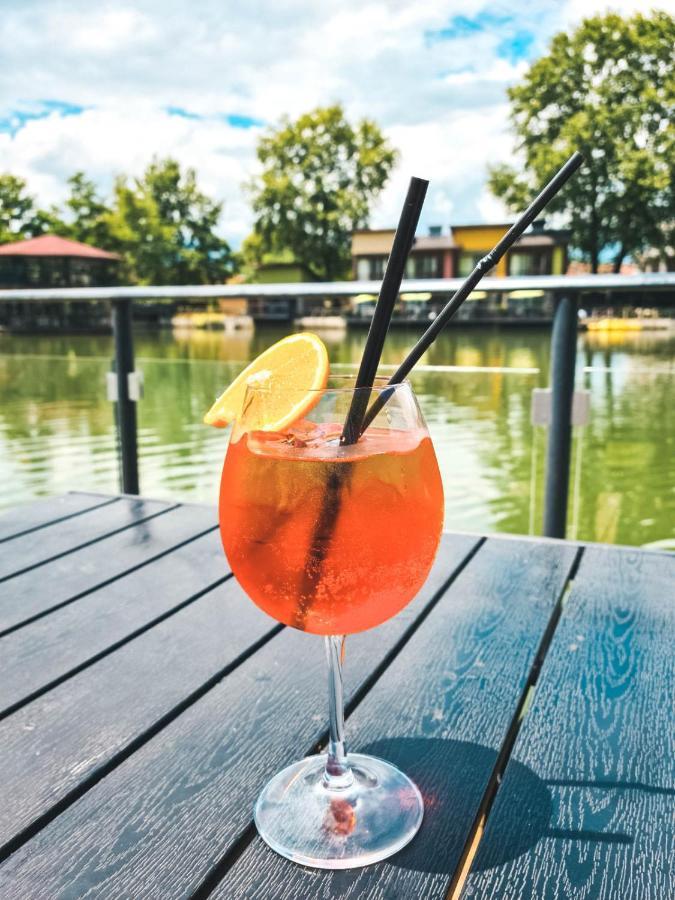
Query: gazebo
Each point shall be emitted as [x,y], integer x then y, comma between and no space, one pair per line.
[51,261]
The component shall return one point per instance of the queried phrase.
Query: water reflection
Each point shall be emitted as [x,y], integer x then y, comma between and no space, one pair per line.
[57,430]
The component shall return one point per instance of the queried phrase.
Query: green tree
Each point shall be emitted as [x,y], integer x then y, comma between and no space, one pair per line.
[608,90]
[87,213]
[165,227]
[319,178]
[19,216]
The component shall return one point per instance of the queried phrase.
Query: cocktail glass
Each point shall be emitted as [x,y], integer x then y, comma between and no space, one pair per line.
[332,540]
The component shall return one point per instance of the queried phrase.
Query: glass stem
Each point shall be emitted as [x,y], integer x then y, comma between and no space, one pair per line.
[337,774]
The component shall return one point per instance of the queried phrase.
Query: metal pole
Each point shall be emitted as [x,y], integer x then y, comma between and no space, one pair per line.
[125,408]
[563,360]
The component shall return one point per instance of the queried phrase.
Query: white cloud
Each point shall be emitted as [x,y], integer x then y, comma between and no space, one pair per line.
[434,76]
[106,142]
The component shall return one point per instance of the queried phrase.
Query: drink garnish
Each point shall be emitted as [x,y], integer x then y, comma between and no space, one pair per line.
[292,374]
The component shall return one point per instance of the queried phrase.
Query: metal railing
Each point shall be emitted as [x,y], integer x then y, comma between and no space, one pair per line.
[567,291]
[437,287]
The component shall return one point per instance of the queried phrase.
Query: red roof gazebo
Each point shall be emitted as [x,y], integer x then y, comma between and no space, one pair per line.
[53,245]
[53,261]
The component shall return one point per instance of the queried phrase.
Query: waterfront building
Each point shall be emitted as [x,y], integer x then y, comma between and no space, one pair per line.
[50,261]
[541,251]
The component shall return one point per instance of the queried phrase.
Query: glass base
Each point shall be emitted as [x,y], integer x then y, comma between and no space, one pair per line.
[374,816]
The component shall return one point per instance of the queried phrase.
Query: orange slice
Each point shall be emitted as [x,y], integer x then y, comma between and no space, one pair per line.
[293,372]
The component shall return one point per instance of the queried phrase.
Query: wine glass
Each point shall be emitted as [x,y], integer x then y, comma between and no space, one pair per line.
[333,539]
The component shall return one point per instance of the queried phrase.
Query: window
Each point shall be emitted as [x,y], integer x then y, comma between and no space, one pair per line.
[363,269]
[468,262]
[377,266]
[80,273]
[370,268]
[33,272]
[529,262]
[55,270]
[427,266]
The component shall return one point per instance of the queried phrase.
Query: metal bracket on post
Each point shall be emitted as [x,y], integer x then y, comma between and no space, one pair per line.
[135,385]
[563,362]
[127,389]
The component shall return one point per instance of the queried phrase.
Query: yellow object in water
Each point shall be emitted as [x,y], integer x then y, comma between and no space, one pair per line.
[613,324]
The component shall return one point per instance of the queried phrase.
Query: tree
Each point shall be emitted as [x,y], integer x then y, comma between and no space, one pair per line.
[319,178]
[608,90]
[165,227]
[87,213]
[19,216]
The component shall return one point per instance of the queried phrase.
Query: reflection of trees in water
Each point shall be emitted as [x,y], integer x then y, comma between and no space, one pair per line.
[43,396]
[628,470]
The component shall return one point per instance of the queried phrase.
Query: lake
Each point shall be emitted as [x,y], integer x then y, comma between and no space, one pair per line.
[57,431]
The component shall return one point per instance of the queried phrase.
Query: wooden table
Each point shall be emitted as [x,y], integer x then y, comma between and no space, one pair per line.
[528,690]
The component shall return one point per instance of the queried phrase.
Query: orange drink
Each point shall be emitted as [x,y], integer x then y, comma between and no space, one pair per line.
[381,498]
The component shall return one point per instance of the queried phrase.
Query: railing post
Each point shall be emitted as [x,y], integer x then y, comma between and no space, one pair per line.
[125,406]
[563,361]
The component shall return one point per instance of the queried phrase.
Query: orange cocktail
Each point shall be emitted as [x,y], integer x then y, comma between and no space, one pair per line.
[329,527]
[326,538]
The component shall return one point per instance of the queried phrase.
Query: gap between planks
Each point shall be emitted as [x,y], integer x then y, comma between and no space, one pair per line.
[102,537]
[107,581]
[248,834]
[50,685]
[478,827]
[72,515]
[22,837]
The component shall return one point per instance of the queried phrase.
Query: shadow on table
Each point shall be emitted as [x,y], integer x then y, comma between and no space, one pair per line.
[452,776]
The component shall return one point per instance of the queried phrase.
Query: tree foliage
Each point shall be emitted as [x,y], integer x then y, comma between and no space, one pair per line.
[319,178]
[20,218]
[608,90]
[86,213]
[165,228]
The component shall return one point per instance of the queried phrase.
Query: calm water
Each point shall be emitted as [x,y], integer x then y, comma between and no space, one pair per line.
[57,434]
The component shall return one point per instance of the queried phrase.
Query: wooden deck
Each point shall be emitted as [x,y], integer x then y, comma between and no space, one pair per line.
[528,689]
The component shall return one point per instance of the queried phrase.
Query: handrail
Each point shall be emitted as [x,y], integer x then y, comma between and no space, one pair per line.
[650,281]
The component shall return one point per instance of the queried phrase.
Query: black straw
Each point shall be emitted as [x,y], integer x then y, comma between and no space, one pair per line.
[391,284]
[483,266]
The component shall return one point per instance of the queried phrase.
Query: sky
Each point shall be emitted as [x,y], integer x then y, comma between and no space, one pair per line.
[102,87]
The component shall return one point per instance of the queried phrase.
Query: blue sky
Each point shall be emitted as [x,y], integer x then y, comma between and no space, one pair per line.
[104,86]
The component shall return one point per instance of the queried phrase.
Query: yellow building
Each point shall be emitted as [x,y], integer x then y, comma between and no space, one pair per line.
[540,251]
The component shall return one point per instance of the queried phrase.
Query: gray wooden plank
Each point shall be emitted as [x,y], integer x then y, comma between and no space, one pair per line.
[156,825]
[51,647]
[76,574]
[597,748]
[441,713]
[52,746]
[63,537]
[33,516]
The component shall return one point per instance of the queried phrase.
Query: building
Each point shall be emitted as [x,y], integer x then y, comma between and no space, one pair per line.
[50,261]
[432,256]
[540,251]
